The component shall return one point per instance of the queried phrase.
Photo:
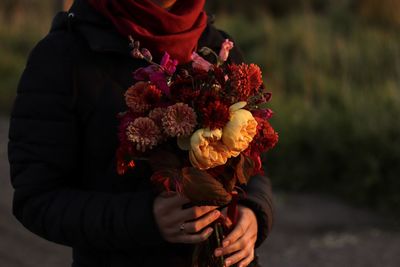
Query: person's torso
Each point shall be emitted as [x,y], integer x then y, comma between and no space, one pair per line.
[99,80]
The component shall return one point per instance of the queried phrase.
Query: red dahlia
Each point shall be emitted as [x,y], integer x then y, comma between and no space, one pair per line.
[205,98]
[184,94]
[266,137]
[245,79]
[152,95]
[142,96]
[216,115]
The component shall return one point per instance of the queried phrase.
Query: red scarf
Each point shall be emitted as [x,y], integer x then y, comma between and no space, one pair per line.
[176,31]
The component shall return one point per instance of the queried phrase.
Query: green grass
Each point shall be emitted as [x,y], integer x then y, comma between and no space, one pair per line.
[336,93]
[17,38]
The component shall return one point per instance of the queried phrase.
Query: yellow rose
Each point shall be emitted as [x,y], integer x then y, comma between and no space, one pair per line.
[240,130]
[206,149]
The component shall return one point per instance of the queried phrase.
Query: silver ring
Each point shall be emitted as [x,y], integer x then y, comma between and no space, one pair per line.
[182,227]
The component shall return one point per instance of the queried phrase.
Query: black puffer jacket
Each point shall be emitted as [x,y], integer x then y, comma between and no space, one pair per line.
[62,143]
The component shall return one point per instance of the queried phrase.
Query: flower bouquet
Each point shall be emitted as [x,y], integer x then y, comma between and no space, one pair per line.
[202,127]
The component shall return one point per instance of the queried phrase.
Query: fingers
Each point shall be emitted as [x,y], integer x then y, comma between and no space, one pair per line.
[236,246]
[176,201]
[239,244]
[247,260]
[242,254]
[237,232]
[248,239]
[242,250]
[169,215]
[195,238]
[196,212]
[199,224]
[228,223]
[247,224]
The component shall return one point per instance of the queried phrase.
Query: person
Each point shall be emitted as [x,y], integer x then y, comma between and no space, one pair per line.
[63,139]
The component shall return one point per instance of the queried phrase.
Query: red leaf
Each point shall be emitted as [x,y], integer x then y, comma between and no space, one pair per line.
[244,169]
[201,187]
[167,180]
[225,174]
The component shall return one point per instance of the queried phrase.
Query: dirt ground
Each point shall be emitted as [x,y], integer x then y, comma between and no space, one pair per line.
[310,231]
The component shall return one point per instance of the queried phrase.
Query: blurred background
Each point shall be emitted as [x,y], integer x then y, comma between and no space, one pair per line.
[333,67]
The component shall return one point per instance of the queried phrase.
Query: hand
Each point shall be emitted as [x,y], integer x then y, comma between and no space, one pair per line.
[170,217]
[241,241]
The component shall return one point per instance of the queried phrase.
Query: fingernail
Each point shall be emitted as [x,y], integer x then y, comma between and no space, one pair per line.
[216,213]
[225,243]
[218,252]
[228,262]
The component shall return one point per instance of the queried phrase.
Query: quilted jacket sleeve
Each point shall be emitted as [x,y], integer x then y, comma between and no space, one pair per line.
[43,151]
[259,199]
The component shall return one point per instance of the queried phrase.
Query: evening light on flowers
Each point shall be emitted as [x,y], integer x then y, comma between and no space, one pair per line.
[201,127]
[210,107]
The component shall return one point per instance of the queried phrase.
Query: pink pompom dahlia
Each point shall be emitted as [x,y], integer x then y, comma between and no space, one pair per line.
[143,133]
[179,120]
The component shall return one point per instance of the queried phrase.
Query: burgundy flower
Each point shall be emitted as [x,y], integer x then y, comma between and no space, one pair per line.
[266,137]
[184,94]
[206,98]
[152,95]
[245,79]
[265,114]
[179,120]
[142,96]
[143,133]
[216,115]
